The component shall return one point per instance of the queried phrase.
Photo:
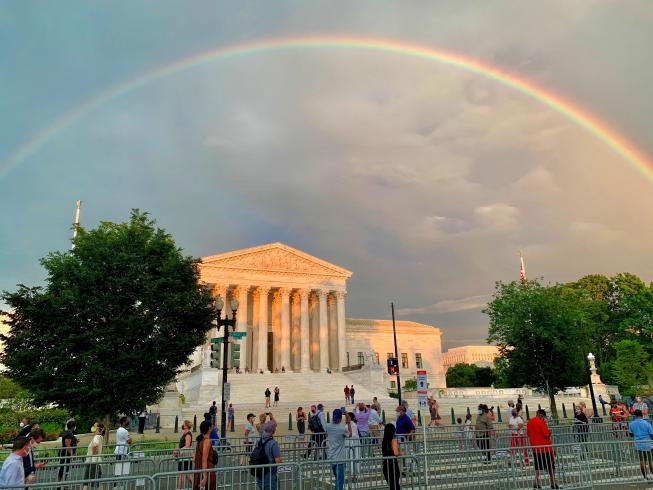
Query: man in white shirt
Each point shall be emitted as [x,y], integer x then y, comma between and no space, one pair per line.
[123,440]
[13,472]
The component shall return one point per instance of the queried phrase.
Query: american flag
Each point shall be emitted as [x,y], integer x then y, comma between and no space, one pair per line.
[522,269]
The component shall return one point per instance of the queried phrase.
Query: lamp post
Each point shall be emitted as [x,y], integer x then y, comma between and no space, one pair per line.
[226,323]
[590,358]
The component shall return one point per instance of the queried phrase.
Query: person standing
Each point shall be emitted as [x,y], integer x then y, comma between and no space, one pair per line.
[267,397]
[405,427]
[618,415]
[93,469]
[25,427]
[390,451]
[347,395]
[231,418]
[213,412]
[317,432]
[484,427]
[301,421]
[352,443]
[362,421]
[640,405]
[276,396]
[142,418]
[374,423]
[517,438]
[336,435]
[642,432]
[203,459]
[68,449]
[266,478]
[376,405]
[352,393]
[35,438]
[182,452]
[468,431]
[12,474]
[539,437]
[123,440]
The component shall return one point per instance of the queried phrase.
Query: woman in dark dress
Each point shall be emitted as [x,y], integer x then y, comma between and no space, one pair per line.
[203,459]
[276,396]
[301,421]
[390,451]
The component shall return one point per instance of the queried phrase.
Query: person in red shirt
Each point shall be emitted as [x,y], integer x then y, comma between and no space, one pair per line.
[539,437]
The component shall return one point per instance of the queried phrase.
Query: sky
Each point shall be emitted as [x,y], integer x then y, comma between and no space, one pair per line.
[423,179]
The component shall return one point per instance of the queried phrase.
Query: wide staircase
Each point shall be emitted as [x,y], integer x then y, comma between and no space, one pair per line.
[296,389]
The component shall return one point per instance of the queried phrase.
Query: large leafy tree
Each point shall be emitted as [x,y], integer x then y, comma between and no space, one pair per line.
[541,335]
[631,367]
[469,375]
[116,319]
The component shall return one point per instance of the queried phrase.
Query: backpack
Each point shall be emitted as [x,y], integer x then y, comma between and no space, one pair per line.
[259,457]
[314,424]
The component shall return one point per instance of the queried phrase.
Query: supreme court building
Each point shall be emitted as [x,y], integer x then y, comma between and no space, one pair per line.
[292,311]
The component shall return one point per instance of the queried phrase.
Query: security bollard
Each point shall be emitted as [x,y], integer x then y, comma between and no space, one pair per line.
[468,412]
[605,414]
[453,417]
[328,418]
[158,424]
[383,416]
[499,414]
[289,421]
[176,423]
[419,418]
[564,411]
[194,423]
[539,407]
[528,414]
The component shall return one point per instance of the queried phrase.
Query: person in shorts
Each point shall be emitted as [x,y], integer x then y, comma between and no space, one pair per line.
[642,432]
[539,436]
[68,450]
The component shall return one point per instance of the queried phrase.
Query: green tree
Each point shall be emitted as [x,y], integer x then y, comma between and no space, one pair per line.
[469,376]
[116,319]
[632,366]
[541,335]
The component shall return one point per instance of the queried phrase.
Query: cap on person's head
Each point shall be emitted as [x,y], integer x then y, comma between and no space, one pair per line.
[639,413]
[541,412]
[269,428]
[320,406]
[337,415]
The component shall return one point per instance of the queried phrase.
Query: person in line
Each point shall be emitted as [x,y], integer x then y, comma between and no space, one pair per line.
[267,396]
[352,443]
[213,411]
[123,440]
[459,434]
[581,425]
[404,425]
[35,438]
[276,396]
[68,449]
[376,405]
[362,422]
[640,405]
[204,459]
[517,437]
[469,431]
[409,412]
[12,474]
[539,436]
[214,437]
[316,427]
[93,469]
[642,432]
[483,429]
[390,451]
[618,415]
[336,435]
[586,411]
[231,417]
[374,423]
[352,394]
[25,427]
[250,433]
[182,452]
[347,395]
[603,402]
[267,479]
[142,418]
[301,421]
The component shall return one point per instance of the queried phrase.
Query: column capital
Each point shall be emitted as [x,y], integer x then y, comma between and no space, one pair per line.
[220,289]
[239,288]
[263,289]
[284,292]
[340,294]
[322,293]
[304,291]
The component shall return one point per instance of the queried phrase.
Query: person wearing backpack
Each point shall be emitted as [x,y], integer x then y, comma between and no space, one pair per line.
[316,424]
[266,452]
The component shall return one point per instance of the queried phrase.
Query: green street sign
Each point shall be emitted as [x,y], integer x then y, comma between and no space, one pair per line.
[238,335]
[217,340]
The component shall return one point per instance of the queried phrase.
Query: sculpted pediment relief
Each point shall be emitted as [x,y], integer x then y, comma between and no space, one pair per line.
[277,258]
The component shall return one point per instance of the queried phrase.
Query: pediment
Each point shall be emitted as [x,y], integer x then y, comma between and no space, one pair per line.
[275,257]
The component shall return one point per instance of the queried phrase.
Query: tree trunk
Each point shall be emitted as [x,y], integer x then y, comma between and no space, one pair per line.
[107,421]
[552,401]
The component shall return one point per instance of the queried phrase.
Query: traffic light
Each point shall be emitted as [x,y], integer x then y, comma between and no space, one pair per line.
[215,354]
[235,355]
[393,365]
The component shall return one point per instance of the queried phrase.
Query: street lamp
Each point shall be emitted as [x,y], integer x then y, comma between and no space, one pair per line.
[226,323]
[590,358]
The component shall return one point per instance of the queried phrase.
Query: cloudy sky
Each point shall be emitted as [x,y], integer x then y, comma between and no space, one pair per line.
[423,179]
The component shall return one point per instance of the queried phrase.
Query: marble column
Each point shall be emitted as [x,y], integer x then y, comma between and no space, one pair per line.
[285,328]
[304,336]
[242,292]
[324,330]
[342,338]
[263,328]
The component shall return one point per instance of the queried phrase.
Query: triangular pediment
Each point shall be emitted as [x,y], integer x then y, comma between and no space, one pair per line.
[275,257]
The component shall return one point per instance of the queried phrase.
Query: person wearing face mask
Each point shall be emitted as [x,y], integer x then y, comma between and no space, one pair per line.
[12,474]
[93,469]
[35,438]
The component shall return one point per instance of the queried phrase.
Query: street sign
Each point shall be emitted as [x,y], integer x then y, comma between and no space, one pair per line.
[238,335]
[227,392]
[216,340]
[422,384]
[421,401]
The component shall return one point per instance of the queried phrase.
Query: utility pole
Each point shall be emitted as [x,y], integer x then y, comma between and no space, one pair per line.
[394,333]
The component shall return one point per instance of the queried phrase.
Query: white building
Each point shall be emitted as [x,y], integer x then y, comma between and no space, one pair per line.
[480,355]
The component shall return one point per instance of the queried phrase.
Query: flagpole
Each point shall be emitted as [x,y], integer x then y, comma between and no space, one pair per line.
[78,203]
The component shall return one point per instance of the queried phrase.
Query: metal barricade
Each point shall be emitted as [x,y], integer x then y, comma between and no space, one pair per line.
[117,483]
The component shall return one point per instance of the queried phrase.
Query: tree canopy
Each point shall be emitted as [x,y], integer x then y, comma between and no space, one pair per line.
[469,376]
[117,318]
[541,333]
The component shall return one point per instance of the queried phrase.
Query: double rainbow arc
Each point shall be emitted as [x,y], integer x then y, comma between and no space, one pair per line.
[574,113]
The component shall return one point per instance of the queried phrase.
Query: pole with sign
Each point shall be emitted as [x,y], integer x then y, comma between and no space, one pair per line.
[422,403]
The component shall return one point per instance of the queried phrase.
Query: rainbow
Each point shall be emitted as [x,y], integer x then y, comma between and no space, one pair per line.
[577,115]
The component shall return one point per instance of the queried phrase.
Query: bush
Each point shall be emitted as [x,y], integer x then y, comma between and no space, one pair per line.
[51,420]
[410,384]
